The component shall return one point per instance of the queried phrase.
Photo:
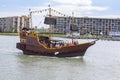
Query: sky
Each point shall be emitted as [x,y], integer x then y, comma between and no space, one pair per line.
[81,8]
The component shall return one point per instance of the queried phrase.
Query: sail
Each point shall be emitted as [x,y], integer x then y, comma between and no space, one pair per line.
[50,20]
[73,27]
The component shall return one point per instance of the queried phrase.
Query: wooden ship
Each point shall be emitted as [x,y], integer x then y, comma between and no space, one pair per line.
[33,44]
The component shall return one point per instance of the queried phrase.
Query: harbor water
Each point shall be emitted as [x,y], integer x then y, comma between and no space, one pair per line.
[101,62]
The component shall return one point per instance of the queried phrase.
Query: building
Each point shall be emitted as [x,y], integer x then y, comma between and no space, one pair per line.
[94,26]
[13,24]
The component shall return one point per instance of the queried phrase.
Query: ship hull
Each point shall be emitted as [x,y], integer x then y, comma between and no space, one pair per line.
[70,51]
[60,55]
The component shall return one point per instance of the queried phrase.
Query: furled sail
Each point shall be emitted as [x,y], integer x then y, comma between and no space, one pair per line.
[50,20]
[73,27]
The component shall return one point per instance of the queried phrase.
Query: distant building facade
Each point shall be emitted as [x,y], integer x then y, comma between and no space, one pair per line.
[95,26]
[13,24]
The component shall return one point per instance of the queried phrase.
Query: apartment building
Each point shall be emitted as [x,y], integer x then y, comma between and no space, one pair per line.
[95,26]
[13,24]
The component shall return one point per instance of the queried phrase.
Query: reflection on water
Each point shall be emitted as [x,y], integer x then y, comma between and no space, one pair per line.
[47,68]
[101,62]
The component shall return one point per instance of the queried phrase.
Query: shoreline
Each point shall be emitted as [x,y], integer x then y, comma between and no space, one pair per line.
[16,34]
[64,36]
[9,34]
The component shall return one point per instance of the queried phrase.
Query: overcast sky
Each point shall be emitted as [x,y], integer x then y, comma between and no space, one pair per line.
[99,8]
[90,8]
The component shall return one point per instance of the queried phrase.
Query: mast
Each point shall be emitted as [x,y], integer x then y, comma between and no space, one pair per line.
[30,19]
[72,25]
[49,9]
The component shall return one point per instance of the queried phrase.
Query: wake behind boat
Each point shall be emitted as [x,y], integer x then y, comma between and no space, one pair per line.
[33,44]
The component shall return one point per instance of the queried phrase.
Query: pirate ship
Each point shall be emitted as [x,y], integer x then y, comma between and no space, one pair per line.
[32,43]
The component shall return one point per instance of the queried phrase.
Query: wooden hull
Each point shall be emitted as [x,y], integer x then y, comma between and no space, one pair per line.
[68,51]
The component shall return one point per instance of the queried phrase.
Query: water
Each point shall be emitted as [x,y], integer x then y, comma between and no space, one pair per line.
[101,62]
